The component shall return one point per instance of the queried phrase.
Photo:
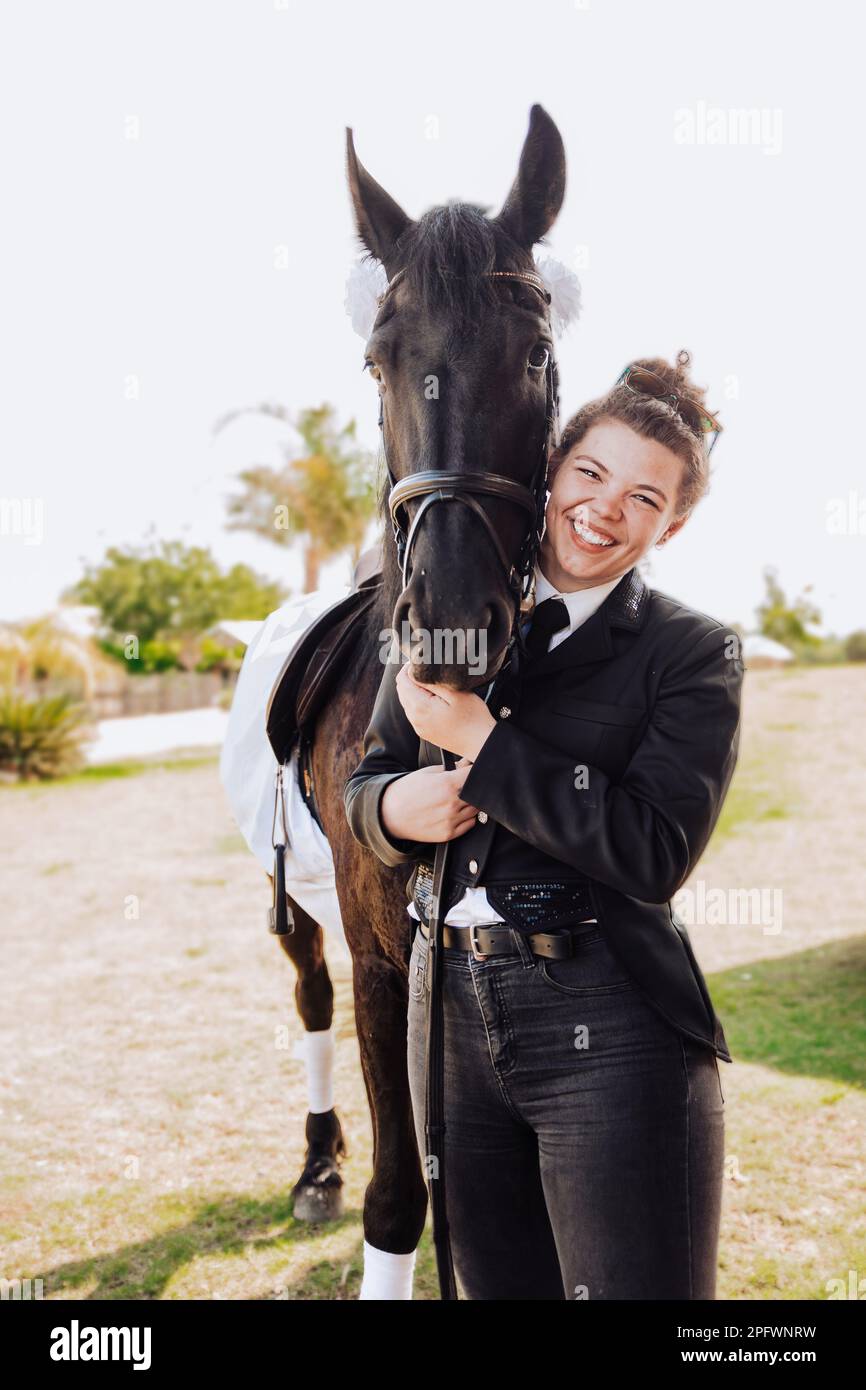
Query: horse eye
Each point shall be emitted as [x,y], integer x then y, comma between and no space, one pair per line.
[544,353]
[370,366]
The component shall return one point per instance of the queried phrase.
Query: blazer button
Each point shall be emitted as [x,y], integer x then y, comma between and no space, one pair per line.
[473,866]
[504,712]
[482,816]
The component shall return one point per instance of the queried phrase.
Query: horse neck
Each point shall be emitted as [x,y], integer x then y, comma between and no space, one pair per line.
[382,611]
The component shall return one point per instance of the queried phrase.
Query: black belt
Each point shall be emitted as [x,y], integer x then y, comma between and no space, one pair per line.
[496,939]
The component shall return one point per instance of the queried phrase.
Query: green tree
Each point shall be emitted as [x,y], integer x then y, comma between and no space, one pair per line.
[168,595]
[787,622]
[324,494]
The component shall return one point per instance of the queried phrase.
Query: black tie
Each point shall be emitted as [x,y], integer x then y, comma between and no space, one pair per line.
[549,617]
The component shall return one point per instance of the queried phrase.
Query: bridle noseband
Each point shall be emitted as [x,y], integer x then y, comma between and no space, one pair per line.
[441,485]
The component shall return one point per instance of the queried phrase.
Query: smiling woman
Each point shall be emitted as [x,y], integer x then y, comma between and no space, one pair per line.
[580,1036]
[630,468]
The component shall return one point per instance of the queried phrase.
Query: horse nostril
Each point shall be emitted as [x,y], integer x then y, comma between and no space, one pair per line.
[401,624]
[498,629]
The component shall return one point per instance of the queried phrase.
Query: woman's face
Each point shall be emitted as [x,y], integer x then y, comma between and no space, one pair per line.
[613,497]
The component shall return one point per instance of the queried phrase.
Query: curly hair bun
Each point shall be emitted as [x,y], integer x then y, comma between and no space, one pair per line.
[651,416]
[675,375]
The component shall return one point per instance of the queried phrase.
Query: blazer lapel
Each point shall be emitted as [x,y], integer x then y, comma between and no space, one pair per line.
[625,606]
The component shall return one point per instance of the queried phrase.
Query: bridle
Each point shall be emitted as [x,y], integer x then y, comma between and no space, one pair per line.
[443,485]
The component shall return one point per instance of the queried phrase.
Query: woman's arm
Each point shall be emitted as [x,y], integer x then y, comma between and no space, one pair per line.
[390,750]
[643,834]
[429,799]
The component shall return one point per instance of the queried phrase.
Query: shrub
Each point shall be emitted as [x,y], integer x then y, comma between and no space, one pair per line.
[855,646]
[41,737]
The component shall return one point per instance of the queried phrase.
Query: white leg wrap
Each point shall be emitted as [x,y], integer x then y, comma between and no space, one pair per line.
[387,1276]
[317,1051]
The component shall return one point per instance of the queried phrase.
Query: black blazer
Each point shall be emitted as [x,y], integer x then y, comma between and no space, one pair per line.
[645,696]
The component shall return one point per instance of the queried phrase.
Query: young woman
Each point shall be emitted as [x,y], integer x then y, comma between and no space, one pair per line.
[584,1109]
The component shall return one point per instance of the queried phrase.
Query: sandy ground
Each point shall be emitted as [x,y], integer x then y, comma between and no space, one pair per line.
[152,1122]
[804,737]
[142,1015]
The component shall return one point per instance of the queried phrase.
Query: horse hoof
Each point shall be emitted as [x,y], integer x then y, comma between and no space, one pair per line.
[318,1202]
[317,1196]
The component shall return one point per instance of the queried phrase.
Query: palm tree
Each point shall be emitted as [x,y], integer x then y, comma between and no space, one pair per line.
[324,493]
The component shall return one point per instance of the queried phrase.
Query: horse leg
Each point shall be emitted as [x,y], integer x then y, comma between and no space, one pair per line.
[317,1195]
[395,1201]
[372,901]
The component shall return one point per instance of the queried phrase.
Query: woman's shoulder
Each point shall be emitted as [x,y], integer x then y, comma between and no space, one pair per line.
[665,608]
[678,627]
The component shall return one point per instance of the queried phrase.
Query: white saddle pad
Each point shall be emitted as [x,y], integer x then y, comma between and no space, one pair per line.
[248,769]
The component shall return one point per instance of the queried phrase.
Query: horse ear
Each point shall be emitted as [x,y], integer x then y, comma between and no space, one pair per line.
[533,204]
[380,221]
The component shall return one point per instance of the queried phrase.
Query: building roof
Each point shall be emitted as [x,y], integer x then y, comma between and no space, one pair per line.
[756,645]
[238,631]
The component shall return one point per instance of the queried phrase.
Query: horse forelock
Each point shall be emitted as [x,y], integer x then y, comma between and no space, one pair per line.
[446,255]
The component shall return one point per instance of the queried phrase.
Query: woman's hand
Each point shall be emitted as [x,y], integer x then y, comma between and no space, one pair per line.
[426,805]
[454,719]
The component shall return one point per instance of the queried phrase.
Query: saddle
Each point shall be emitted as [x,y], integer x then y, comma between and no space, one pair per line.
[309,675]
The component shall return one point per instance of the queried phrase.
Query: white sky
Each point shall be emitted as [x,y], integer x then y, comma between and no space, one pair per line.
[154,257]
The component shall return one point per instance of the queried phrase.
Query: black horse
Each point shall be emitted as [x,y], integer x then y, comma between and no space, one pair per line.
[462,358]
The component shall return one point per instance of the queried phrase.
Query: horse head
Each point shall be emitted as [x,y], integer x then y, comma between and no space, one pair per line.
[462,352]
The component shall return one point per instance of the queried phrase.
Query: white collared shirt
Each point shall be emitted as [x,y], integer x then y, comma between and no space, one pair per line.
[474,906]
[581,603]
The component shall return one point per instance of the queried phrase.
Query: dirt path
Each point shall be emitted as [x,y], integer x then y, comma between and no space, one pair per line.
[141,1062]
[804,750]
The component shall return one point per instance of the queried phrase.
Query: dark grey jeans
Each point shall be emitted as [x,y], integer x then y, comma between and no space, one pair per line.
[584,1135]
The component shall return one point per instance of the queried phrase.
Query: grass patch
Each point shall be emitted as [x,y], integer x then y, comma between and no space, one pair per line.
[800,1014]
[759,790]
[234,1240]
[749,802]
[109,772]
[194,1244]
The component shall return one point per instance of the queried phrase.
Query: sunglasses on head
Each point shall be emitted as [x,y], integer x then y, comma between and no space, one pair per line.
[646,383]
